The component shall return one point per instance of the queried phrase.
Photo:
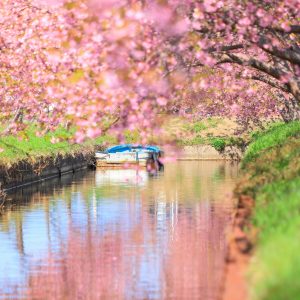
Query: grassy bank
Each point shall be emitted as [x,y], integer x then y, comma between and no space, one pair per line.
[216,132]
[272,168]
[28,146]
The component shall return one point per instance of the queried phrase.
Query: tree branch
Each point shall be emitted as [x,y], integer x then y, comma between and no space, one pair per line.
[269,82]
[293,84]
[286,54]
[254,63]
[225,48]
[294,29]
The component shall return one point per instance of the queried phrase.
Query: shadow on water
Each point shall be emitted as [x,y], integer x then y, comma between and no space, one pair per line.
[27,193]
[119,234]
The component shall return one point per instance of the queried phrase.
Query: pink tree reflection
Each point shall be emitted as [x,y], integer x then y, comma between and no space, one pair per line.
[89,268]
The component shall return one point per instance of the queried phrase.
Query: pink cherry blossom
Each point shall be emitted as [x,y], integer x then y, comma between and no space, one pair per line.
[110,65]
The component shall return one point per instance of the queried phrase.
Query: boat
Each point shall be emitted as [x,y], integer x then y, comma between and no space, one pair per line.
[129,154]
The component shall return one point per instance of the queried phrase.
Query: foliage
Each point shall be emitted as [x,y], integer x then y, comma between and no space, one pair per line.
[218,143]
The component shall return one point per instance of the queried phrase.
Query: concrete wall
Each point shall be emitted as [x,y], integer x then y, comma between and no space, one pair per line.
[26,172]
[207,152]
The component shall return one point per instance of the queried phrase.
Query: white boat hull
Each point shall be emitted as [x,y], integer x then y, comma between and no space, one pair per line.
[104,159]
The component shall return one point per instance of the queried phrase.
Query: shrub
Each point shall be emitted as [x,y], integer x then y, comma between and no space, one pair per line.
[218,143]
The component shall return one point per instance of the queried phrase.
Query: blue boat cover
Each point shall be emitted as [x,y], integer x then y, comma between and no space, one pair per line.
[129,147]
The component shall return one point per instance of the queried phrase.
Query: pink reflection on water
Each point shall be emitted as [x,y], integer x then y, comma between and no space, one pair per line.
[163,239]
[195,263]
[89,268]
[179,261]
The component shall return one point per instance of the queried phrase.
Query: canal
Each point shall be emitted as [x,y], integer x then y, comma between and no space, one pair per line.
[119,234]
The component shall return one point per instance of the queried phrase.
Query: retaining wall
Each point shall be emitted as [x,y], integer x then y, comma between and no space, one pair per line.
[26,172]
[207,152]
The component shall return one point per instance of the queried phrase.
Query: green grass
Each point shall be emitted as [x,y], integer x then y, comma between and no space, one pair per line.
[272,168]
[194,141]
[275,136]
[199,126]
[275,271]
[28,146]
[218,143]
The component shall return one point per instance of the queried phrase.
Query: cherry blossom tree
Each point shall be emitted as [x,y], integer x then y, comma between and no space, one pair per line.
[110,65]
[245,41]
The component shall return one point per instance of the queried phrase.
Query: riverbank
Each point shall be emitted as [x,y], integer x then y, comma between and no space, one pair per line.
[219,133]
[208,152]
[267,220]
[29,146]
[206,139]
[27,172]
[29,158]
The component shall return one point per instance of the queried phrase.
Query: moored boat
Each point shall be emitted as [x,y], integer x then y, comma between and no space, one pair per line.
[128,154]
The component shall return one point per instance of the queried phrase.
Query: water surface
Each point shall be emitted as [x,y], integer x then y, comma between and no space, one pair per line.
[119,234]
